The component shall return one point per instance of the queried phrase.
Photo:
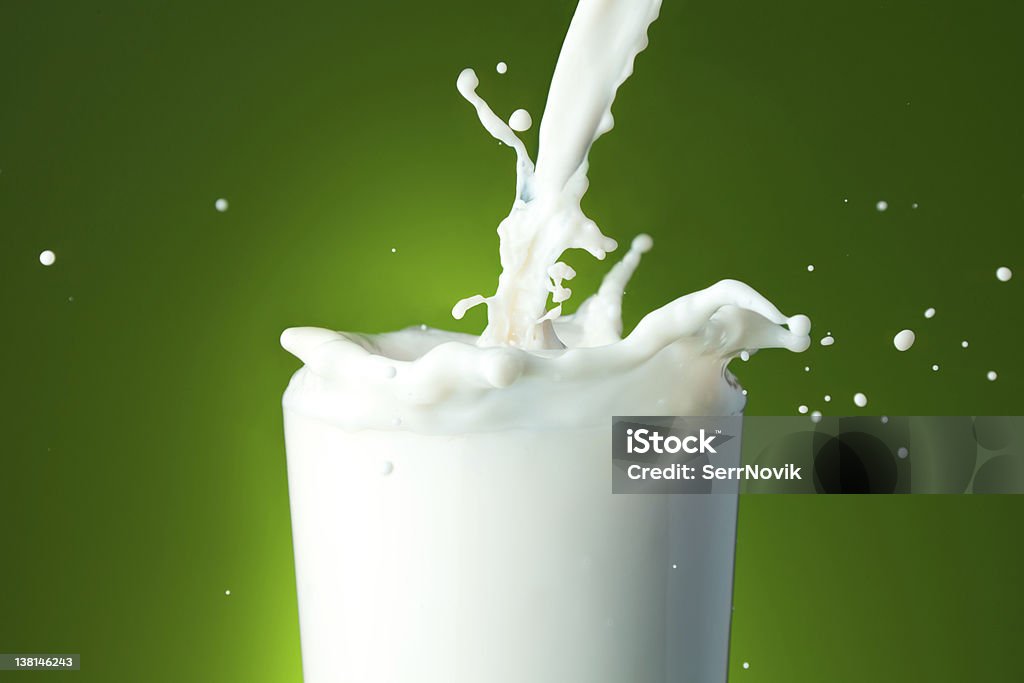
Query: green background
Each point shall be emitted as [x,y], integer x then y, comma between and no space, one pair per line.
[143,468]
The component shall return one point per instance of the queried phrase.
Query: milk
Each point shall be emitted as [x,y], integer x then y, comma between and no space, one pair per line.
[451,496]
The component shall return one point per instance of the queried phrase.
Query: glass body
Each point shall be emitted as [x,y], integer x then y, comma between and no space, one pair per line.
[500,558]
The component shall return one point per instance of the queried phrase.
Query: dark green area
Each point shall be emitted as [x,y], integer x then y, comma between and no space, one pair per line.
[143,467]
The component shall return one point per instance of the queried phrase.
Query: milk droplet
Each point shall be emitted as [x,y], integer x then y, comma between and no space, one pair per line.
[904,340]
[393,250]
[221,205]
[992,376]
[807,368]
[386,468]
[675,566]
[828,341]
[744,392]
[902,452]
[227,592]
[802,410]
[882,205]
[964,344]
[929,313]
[810,268]
[520,120]
[816,416]
[746,665]
[914,205]
[1003,274]
[744,356]
[860,400]
[885,419]
[47,257]
[501,68]
[828,398]
[935,368]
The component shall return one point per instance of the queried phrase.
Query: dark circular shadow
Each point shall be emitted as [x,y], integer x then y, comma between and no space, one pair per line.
[855,462]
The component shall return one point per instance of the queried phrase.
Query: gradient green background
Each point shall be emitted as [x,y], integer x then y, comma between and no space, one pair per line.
[143,468]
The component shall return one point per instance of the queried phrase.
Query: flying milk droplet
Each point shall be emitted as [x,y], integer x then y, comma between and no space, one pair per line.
[1003,274]
[520,120]
[828,341]
[221,205]
[47,258]
[929,313]
[904,340]
[802,410]
[882,205]
[902,452]
[935,368]
[860,400]
[964,344]
[501,68]
[992,376]
[810,268]
[816,416]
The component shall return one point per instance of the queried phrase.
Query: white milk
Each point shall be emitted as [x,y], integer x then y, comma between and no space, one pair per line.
[451,495]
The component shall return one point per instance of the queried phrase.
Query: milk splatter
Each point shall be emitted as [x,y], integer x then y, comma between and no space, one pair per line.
[904,340]
[520,120]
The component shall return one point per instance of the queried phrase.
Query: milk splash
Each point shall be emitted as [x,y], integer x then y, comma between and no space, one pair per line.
[533,366]
[597,56]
